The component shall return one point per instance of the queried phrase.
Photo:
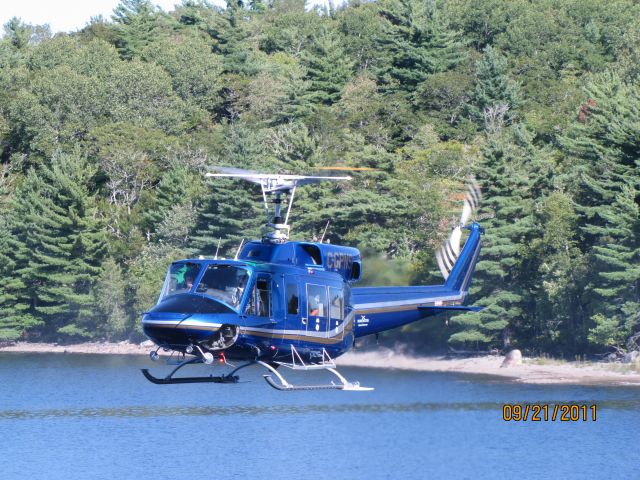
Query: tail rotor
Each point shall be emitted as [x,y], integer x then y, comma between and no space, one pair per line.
[449,252]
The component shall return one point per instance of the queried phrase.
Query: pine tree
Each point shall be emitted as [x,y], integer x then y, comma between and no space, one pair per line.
[230,211]
[602,150]
[14,322]
[64,245]
[506,177]
[137,24]
[232,40]
[175,188]
[616,287]
[496,96]
[110,297]
[418,41]
[328,67]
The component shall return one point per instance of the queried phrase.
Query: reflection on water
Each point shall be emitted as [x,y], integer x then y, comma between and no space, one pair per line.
[175,411]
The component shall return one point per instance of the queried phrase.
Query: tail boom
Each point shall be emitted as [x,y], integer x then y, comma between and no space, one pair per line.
[383,308]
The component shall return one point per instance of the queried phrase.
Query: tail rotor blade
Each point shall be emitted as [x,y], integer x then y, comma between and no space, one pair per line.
[447,255]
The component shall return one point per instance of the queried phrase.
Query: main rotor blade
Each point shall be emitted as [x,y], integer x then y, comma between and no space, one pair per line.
[269,181]
[350,169]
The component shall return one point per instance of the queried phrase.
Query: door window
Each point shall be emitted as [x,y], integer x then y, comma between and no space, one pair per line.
[316,301]
[260,303]
[336,306]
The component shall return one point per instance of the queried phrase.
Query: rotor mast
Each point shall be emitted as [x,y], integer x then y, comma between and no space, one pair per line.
[276,229]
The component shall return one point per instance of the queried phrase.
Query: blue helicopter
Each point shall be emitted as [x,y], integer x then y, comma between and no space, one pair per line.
[282,303]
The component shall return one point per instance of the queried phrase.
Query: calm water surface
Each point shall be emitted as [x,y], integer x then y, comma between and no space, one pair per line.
[88,416]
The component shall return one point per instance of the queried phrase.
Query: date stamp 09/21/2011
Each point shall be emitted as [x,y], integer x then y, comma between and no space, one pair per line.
[560,412]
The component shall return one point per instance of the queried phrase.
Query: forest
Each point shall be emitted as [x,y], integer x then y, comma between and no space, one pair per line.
[106,134]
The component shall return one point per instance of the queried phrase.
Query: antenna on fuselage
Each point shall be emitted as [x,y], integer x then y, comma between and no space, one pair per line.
[325,231]
[276,229]
[239,248]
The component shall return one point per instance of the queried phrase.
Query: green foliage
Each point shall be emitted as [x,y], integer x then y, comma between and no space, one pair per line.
[328,68]
[110,297]
[418,42]
[105,135]
[506,176]
[194,70]
[137,24]
[495,99]
[63,245]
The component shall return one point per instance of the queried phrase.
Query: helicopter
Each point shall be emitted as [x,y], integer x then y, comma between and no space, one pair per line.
[283,304]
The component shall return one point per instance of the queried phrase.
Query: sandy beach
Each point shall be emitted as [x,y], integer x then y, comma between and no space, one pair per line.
[532,370]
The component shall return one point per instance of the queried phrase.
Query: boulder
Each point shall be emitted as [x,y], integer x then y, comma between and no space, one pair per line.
[632,357]
[513,358]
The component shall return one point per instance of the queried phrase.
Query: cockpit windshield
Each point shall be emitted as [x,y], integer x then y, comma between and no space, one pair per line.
[224,282]
[180,278]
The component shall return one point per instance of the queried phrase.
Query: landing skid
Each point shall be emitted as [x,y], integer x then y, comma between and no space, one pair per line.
[297,363]
[170,380]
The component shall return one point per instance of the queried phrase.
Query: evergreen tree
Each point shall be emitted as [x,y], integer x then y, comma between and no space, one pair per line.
[328,67]
[232,41]
[176,187]
[506,176]
[496,96]
[616,262]
[138,23]
[602,168]
[230,211]
[418,41]
[110,297]
[64,245]
[14,322]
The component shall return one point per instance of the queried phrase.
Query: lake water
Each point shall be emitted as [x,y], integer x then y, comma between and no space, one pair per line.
[95,417]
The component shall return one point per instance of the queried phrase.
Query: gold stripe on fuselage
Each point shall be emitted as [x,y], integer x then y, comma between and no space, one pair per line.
[337,338]
[404,308]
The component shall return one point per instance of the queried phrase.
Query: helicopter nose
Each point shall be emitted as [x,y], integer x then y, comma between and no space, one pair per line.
[188,320]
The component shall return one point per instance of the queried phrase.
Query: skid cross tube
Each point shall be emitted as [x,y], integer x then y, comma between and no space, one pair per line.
[327,363]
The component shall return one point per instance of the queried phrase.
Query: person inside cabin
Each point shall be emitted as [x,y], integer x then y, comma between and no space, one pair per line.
[316,308]
[188,281]
[239,290]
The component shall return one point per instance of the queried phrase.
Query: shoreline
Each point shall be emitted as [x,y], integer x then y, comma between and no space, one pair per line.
[531,371]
